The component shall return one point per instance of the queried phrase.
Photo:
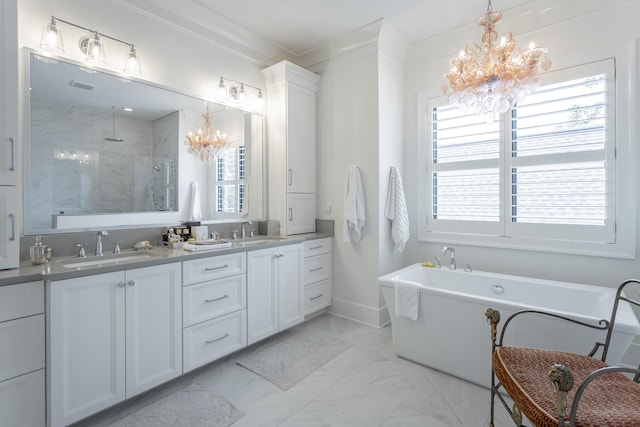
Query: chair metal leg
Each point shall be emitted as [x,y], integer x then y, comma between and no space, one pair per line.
[517,414]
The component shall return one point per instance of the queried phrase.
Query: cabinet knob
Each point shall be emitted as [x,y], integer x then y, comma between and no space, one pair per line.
[131,282]
[121,284]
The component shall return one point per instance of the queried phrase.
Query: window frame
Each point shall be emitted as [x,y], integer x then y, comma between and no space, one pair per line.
[237,183]
[622,184]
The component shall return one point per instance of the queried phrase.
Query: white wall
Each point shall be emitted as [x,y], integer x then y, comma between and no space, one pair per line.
[360,123]
[573,31]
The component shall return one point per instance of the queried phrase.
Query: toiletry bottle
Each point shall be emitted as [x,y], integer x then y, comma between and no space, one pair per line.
[39,252]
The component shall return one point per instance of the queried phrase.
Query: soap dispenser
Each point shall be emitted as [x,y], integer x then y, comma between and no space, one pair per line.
[40,254]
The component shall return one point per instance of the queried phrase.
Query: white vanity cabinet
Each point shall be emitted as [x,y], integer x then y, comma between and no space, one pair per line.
[291,135]
[214,298]
[317,275]
[110,337]
[9,196]
[22,355]
[274,290]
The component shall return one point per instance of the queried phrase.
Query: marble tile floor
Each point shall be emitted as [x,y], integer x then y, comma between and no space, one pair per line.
[365,386]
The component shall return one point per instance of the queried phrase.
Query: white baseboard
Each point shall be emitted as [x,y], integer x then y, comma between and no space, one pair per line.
[372,316]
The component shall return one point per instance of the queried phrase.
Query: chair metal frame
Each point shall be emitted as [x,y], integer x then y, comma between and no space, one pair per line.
[493,318]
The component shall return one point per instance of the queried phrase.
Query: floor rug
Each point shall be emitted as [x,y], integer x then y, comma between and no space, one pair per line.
[192,406]
[291,356]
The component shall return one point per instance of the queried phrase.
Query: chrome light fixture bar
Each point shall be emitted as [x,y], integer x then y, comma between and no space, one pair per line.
[92,46]
[236,92]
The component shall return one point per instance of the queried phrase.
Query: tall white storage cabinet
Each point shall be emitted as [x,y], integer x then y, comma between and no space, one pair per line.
[291,146]
[9,198]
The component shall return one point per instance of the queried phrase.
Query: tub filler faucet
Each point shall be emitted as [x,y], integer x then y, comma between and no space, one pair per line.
[452,256]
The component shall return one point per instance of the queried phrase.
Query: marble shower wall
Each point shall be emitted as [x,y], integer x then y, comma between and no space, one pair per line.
[74,170]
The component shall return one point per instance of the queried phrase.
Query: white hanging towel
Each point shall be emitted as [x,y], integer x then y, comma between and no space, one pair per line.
[396,210]
[195,211]
[407,299]
[353,205]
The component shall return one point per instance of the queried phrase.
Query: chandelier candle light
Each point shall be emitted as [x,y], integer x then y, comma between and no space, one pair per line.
[207,143]
[490,79]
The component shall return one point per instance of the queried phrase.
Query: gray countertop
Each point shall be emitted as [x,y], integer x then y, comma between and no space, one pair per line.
[56,270]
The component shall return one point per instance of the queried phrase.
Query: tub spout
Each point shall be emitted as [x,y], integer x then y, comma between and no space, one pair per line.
[452,256]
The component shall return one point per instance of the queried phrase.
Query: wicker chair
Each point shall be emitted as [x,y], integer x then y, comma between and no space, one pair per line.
[540,381]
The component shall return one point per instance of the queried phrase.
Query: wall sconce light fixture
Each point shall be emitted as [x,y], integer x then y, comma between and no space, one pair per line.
[235,92]
[92,46]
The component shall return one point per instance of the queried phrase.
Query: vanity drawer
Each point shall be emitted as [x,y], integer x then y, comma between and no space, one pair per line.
[23,299]
[206,300]
[317,268]
[22,400]
[317,296]
[317,247]
[21,346]
[203,269]
[208,341]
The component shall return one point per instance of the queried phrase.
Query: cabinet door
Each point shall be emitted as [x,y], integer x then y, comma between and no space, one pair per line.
[301,215]
[154,326]
[86,346]
[262,294]
[9,228]
[8,93]
[290,286]
[301,136]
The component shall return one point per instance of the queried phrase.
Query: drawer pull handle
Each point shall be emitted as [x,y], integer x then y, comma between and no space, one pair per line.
[217,299]
[316,297]
[216,268]
[313,248]
[12,141]
[13,227]
[311,270]
[216,339]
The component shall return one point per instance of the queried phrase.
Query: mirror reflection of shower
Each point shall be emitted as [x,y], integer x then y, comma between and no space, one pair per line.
[162,193]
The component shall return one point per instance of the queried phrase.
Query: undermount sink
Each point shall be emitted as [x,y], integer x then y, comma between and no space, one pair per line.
[250,241]
[106,260]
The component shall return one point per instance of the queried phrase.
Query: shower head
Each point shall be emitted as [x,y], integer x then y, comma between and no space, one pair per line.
[113,134]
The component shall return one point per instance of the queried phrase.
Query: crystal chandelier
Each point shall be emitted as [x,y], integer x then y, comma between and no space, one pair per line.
[207,143]
[490,79]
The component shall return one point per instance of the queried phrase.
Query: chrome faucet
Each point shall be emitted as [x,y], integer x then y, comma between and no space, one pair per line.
[244,233]
[452,256]
[99,242]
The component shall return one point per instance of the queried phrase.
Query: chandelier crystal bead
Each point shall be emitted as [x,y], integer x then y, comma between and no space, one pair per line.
[490,79]
[207,144]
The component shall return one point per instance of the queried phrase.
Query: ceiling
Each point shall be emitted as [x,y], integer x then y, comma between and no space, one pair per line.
[299,26]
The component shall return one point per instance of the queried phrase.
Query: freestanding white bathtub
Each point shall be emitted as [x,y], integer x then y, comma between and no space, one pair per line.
[451,333]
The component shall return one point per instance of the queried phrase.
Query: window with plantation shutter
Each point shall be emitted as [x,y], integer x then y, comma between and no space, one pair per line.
[230,181]
[545,170]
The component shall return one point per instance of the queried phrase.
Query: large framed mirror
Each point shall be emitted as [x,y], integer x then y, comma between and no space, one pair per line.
[102,151]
